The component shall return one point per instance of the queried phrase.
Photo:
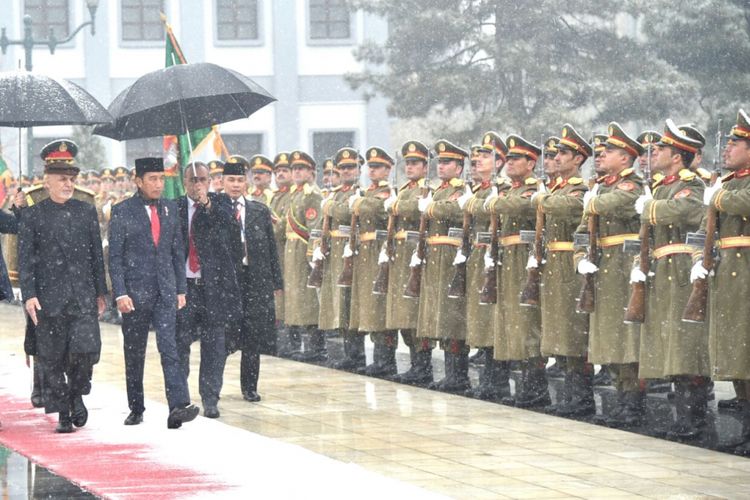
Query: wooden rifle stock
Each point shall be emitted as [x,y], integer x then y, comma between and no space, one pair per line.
[488,292]
[380,285]
[457,286]
[414,283]
[347,272]
[636,310]
[315,278]
[697,304]
[530,293]
[586,297]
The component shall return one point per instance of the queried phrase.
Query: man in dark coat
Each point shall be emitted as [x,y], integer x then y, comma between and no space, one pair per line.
[147,268]
[61,267]
[260,272]
[212,246]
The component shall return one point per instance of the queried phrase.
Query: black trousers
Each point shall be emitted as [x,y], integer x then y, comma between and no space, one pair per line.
[193,324]
[258,325]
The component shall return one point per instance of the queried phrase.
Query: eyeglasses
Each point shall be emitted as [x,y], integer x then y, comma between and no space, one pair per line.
[196,180]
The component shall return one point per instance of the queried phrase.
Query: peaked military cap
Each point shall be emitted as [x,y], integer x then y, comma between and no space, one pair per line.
[675,137]
[59,157]
[690,130]
[476,149]
[518,146]
[215,167]
[328,166]
[415,150]
[379,156]
[236,165]
[94,174]
[107,173]
[742,129]
[619,139]
[573,141]
[84,175]
[260,162]
[648,137]
[348,157]
[300,158]
[448,151]
[121,173]
[493,138]
[281,160]
[599,142]
[550,145]
[147,165]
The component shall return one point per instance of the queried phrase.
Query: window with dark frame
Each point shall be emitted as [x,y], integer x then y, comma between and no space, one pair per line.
[329,20]
[236,19]
[140,20]
[48,14]
[246,145]
[325,145]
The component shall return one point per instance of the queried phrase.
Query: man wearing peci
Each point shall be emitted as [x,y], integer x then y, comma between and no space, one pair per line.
[211,247]
[147,267]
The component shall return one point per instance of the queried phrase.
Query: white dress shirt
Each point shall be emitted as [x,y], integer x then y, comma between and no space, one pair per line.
[240,203]
[191,212]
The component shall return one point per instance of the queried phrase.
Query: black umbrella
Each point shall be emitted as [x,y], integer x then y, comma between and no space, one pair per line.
[180,98]
[34,100]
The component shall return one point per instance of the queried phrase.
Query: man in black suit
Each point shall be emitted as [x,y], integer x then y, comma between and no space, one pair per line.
[212,246]
[261,277]
[61,268]
[147,269]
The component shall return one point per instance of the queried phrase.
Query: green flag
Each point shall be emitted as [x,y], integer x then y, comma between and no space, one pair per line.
[177,149]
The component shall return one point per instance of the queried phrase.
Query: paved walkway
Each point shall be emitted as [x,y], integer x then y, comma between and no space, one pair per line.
[397,436]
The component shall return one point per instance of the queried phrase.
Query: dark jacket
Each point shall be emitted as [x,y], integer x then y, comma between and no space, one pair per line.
[260,278]
[218,245]
[8,225]
[60,255]
[137,267]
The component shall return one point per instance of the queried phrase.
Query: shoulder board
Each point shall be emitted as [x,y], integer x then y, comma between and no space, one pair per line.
[476,187]
[307,188]
[383,184]
[687,175]
[456,182]
[575,181]
[531,181]
[85,190]
[728,177]
[421,182]
[32,189]
[627,172]
[703,173]
[293,188]
[337,188]
[403,186]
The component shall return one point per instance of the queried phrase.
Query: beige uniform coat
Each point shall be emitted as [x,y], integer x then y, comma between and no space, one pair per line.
[279,206]
[479,317]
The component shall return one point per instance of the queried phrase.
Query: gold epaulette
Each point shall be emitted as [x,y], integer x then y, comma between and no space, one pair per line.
[337,188]
[703,173]
[28,192]
[575,181]
[85,190]
[656,180]
[686,175]
[456,182]
[293,188]
[627,172]
[531,181]
[383,184]
[500,181]
[307,188]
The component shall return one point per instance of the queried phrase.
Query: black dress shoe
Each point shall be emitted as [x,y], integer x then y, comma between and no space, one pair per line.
[134,418]
[251,396]
[178,416]
[79,414]
[211,411]
[36,400]
[64,424]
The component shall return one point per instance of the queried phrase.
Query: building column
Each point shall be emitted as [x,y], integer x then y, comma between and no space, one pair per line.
[285,79]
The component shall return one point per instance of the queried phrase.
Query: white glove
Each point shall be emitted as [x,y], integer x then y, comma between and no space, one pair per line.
[318,255]
[348,252]
[532,263]
[383,256]
[589,195]
[415,260]
[460,258]
[586,267]
[353,198]
[541,189]
[492,196]
[637,276]
[489,262]
[465,197]
[388,203]
[711,191]
[640,203]
[698,272]
[423,203]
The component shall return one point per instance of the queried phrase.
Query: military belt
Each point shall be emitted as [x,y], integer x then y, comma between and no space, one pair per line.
[443,240]
[400,235]
[335,233]
[734,242]
[616,240]
[673,249]
[514,239]
[560,246]
[369,236]
[480,245]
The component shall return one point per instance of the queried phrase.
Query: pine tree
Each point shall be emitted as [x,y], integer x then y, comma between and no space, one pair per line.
[91,152]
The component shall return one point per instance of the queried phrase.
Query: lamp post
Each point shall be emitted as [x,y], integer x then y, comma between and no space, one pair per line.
[29,42]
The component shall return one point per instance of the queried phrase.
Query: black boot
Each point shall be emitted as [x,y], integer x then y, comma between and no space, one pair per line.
[292,344]
[64,423]
[742,448]
[389,368]
[493,379]
[555,370]
[450,373]
[402,378]
[461,381]
[315,350]
[510,400]
[563,395]
[420,374]
[632,411]
[603,377]
[36,391]
[79,414]
[581,396]
[612,410]
[354,353]
[479,357]
[535,389]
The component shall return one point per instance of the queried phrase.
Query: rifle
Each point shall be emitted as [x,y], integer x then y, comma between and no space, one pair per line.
[697,304]
[488,292]
[347,272]
[380,285]
[413,285]
[315,278]
[457,286]
[530,294]
[586,299]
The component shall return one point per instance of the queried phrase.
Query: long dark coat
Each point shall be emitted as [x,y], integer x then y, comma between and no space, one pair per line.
[8,225]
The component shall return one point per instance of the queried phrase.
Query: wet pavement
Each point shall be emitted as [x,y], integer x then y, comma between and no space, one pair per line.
[21,478]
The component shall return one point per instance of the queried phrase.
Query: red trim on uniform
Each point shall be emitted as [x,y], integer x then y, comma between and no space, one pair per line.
[742,173]
[669,179]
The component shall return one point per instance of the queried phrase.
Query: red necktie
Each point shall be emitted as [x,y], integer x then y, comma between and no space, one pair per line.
[193,263]
[155,225]
[237,214]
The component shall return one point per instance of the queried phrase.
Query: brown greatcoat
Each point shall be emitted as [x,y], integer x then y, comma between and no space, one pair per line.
[301,307]
[279,206]
[479,317]
[367,309]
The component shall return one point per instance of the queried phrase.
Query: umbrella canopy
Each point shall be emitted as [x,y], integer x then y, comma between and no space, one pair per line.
[184,97]
[34,100]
